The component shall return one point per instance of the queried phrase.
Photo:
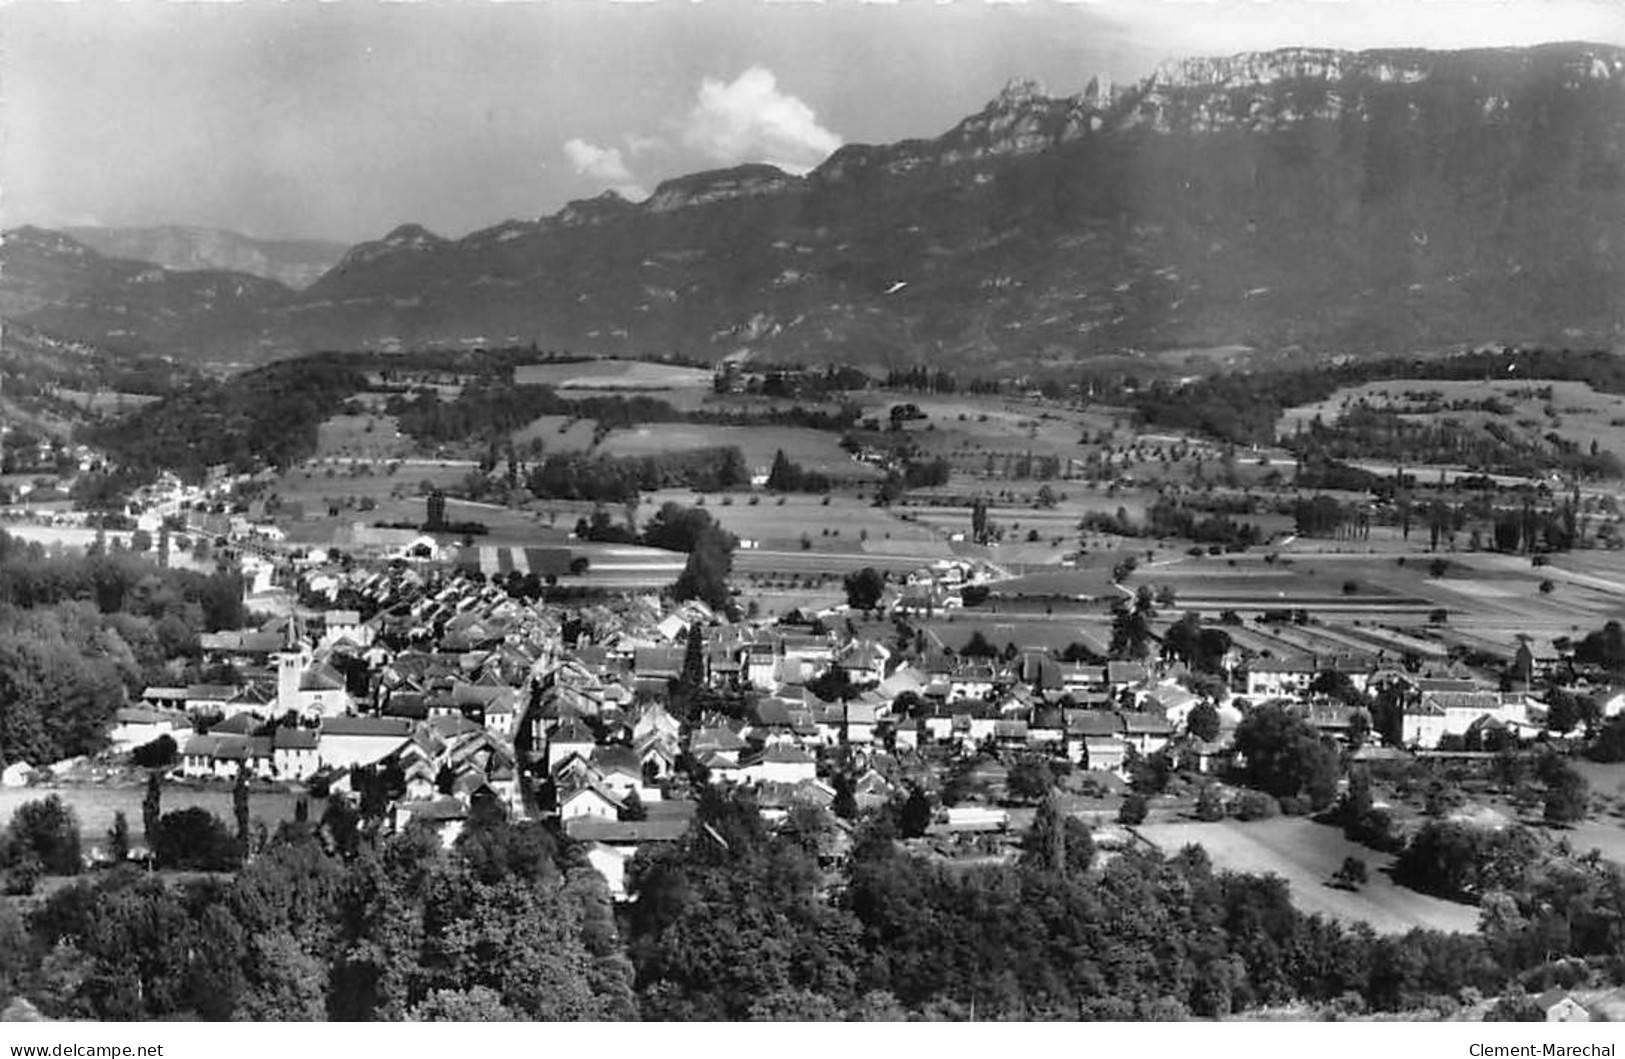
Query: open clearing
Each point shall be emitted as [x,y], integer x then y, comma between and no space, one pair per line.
[814,450]
[557,434]
[374,437]
[1574,410]
[1306,854]
[95,806]
[778,521]
[613,375]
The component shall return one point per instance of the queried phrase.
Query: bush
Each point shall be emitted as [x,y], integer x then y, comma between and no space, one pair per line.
[159,754]
[1294,805]
[1133,810]
[23,877]
[1256,805]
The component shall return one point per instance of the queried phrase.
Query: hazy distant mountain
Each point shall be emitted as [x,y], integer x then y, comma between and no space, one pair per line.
[293,262]
[1299,198]
[58,284]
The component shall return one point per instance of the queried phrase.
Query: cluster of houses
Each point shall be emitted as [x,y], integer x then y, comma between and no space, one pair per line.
[459,692]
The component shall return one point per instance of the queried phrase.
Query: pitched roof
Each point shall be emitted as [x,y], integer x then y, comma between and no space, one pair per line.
[571,731]
[285,738]
[321,677]
[598,829]
[371,727]
[608,759]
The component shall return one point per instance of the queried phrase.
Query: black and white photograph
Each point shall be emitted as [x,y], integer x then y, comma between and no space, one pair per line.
[862,511]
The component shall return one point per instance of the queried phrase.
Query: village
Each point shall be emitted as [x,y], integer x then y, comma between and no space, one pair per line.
[451,694]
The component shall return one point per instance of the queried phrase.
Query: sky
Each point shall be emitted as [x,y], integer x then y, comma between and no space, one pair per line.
[341,120]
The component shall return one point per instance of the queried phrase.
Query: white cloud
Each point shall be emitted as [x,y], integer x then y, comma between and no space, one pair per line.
[605,164]
[636,144]
[750,120]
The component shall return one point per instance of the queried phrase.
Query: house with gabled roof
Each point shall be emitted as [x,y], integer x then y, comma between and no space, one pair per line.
[569,739]
[617,768]
[779,764]
[162,697]
[611,844]
[971,680]
[1122,675]
[351,742]
[720,740]
[864,661]
[1147,733]
[588,797]
[443,813]
[294,752]
[135,726]
[1558,1006]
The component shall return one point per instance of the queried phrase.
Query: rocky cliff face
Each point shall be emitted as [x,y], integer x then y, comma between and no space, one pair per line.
[292,262]
[1330,201]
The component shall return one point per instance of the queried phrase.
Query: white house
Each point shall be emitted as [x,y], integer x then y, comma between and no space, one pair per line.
[1442,713]
[294,753]
[780,763]
[135,726]
[345,625]
[568,740]
[590,799]
[1270,678]
[350,742]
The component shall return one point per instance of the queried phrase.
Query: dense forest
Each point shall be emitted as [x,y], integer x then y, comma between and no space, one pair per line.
[78,634]
[266,417]
[735,921]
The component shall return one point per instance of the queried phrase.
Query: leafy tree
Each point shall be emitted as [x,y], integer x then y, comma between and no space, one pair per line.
[194,839]
[916,813]
[864,589]
[1131,625]
[1209,805]
[1203,721]
[1567,795]
[239,810]
[1031,778]
[1057,842]
[1515,1006]
[47,832]
[1351,875]
[152,806]
[160,753]
[476,1004]
[1286,756]
[118,838]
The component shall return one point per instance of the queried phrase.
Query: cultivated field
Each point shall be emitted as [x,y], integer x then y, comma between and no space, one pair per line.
[105,402]
[844,524]
[370,437]
[1573,411]
[814,450]
[613,375]
[557,434]
[1306,854]
[95,806]
[78,538]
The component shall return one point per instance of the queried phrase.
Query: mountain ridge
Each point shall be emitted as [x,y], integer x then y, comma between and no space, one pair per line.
[1300,198]
[294,263]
